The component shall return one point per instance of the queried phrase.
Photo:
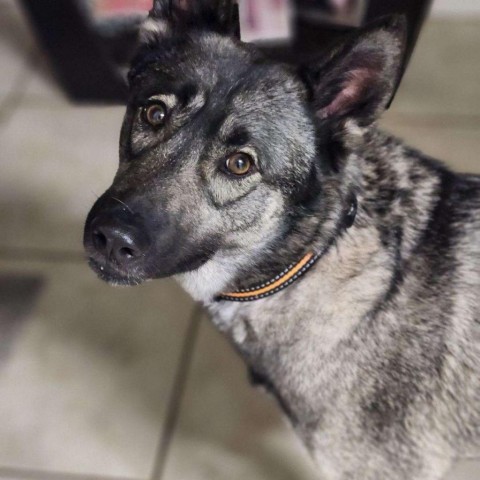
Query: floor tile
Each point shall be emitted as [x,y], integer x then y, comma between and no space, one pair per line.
[228,430]
[86,383]
[16,43]
[455,142]
[55,162]
[444,71]
[465,470]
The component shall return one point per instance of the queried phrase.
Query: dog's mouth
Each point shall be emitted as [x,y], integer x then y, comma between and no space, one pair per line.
[112,275]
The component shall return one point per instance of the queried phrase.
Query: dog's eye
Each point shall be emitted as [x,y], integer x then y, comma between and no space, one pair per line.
[239,163]
[155,114]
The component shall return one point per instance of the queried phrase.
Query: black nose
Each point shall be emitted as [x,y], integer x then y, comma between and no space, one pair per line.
[118,239]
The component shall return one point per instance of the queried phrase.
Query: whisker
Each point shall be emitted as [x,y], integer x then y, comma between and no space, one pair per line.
[122,203]
[95,194]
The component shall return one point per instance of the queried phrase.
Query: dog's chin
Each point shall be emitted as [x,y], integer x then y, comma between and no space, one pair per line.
[114,277]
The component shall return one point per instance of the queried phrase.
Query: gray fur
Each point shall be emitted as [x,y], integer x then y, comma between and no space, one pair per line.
[374,355]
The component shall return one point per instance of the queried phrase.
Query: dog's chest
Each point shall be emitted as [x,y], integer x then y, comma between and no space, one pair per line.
[293,339]
[299,341]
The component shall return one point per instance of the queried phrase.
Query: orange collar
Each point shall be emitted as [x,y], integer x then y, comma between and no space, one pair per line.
[281,281]
[291,273]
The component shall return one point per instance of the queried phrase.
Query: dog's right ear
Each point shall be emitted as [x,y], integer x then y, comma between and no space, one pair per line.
[169,16]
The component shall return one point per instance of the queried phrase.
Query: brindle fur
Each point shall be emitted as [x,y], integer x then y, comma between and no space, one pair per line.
[374,354]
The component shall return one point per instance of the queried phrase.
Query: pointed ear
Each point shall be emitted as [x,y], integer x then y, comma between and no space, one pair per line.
[359,78]
[221,16]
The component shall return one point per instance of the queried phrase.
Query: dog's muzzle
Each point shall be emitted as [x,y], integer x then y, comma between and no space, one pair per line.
[117,244]
[127,242]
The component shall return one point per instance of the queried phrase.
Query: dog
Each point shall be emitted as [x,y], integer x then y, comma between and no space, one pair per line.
[343,265]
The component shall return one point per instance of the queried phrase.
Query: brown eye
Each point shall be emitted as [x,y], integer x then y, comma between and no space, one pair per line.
[155,114]
[239,163]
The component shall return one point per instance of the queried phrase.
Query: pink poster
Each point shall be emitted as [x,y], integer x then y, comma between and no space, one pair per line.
[265,19]
[116,7]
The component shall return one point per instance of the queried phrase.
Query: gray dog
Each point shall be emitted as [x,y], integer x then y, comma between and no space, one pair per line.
[343,265]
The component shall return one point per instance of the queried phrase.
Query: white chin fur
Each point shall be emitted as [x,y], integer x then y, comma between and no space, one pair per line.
[205,283]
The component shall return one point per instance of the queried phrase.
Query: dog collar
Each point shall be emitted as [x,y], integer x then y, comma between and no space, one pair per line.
[291,274]
[281,281]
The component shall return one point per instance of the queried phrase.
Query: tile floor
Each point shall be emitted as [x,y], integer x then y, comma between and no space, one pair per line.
[110,383]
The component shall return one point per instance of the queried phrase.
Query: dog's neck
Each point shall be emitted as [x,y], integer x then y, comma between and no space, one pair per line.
[212,282]
[279,280]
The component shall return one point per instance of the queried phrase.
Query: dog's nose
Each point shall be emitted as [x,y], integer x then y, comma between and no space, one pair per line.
[118,240]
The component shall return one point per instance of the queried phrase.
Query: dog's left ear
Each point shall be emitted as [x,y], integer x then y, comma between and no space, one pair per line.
[359,79]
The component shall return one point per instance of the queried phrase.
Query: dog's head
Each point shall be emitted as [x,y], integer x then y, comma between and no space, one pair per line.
[225,155]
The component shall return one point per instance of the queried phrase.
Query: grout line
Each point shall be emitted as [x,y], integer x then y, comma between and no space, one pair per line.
[29,254]
[11,473]
[178,389]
